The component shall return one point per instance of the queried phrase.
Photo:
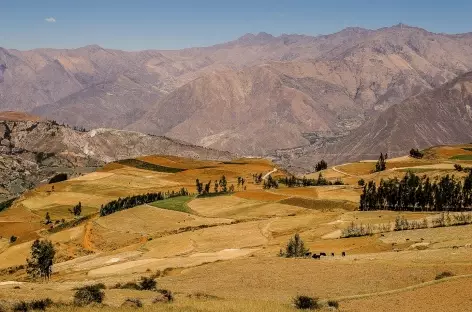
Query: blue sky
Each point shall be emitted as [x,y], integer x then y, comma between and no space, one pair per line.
[146,24]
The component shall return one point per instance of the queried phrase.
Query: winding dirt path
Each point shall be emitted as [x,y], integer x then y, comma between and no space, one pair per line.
[342,172]
[269,173]
[404,289]
[87,240]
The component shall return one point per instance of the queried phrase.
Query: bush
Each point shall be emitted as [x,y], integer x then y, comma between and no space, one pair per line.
[20,307]
[129,285]
[305,303]
[89,294]
[13,239]
[168,295]
[148,283]
[444,274]
[132,302]
[41,304]
[415,153]
[361,182]
[333,304]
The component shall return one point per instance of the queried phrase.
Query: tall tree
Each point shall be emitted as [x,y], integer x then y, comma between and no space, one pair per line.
[41,261]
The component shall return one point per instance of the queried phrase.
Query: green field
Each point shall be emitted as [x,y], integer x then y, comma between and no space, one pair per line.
[461,157]
[148,166]
[417,170]
[175,203]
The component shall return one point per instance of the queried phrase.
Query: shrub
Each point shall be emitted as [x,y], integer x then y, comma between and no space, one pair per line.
[13,239]
[444,275]
[415,153]
[361,182]
[20,307]
[333,304]
[168,295]
[458,167]
[147,283]
[129,285]
[41,304]
[89,294]
[132,302]
[305,303]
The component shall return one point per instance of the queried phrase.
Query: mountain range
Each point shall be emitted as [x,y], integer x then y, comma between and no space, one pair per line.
[33,150]
[303,97]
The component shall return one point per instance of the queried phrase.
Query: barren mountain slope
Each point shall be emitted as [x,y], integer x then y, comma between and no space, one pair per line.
[439,116]
[32,150]
[336,81]
[287,104]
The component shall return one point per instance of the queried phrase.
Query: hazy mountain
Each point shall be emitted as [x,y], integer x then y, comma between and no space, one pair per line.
[252,95]
[435,117]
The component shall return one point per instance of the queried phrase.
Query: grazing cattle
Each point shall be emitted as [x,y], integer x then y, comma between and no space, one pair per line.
[332,254]
[315,256]
[343,253]
[323,254]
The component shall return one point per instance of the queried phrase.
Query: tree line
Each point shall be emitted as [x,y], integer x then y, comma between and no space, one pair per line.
[136,200]
[303,182]
[413,193]
[219,186]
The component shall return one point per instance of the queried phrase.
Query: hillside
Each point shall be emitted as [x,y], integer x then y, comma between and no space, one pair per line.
[440,116]
[32,150]
[221,250]
[314,88]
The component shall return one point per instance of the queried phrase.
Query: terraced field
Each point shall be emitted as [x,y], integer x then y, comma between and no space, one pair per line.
[225,248]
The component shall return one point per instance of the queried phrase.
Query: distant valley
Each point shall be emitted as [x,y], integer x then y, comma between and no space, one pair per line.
[295,97]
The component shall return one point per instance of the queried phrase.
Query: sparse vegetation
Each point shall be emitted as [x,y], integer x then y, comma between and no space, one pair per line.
[133,302]
[148,283]
[148,166]
[321,165]
[402,224]
[306,303]
[89,294]
[295,248]
[7,204]
[13,239]
[333,304]
[415,153]
[444,274]
[77,210]
[354,230]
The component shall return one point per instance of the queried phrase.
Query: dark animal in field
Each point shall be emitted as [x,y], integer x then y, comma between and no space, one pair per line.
[315,256]
[308,254]
[323,254]
[332,254]
[343,253]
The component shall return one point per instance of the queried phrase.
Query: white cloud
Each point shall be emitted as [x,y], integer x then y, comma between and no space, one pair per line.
[50,20]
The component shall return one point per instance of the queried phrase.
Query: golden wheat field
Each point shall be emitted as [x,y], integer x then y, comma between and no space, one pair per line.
[220,253]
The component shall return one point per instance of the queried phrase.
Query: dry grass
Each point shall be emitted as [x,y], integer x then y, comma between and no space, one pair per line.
[318,204]
[236,263]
